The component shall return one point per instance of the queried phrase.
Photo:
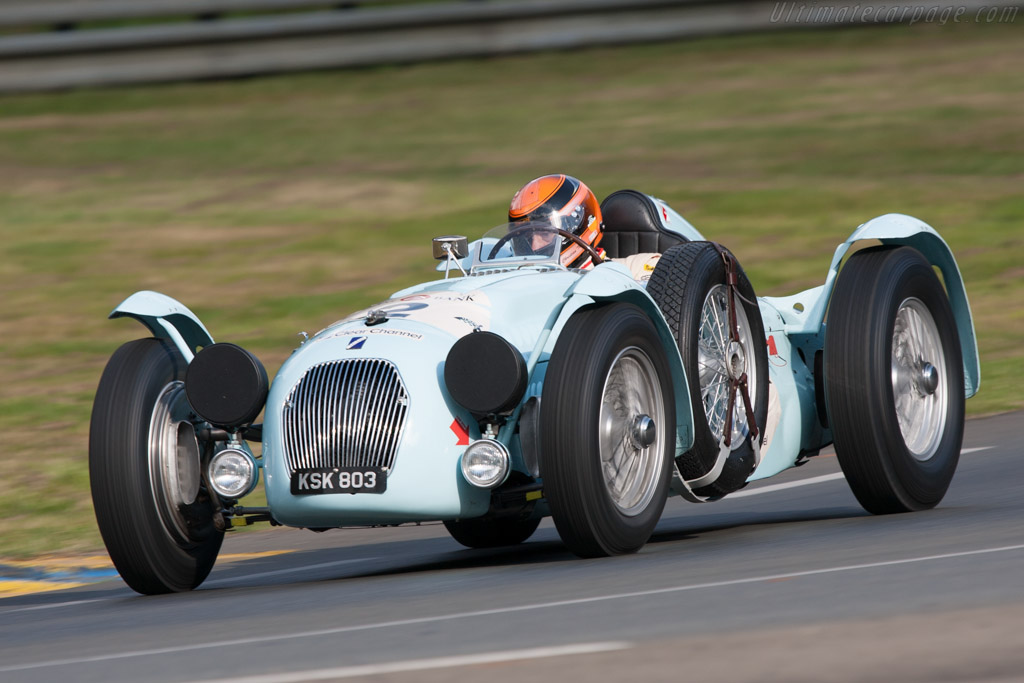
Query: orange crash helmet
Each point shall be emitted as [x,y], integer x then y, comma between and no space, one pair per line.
[566,203]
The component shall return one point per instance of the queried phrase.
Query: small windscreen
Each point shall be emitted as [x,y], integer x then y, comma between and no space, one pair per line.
[515,244]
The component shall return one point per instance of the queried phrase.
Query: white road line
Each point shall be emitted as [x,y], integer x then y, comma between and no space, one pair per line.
[53,605]
[498,610]
[425,664]
[229,579]
[278,572]
[787,485]
[816,480]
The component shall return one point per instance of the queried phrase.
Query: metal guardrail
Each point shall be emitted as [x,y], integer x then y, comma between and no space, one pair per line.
[201,39]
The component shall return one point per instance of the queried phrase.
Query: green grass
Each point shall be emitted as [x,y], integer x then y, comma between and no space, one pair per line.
[276,205]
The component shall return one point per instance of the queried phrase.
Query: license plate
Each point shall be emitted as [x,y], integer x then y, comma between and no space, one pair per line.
[339,480]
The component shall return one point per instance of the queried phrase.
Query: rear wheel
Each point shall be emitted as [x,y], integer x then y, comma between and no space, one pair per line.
[153,512]
[607,430]
[894,381]
[690,286]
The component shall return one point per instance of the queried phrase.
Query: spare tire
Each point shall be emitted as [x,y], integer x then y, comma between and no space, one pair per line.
[690,286]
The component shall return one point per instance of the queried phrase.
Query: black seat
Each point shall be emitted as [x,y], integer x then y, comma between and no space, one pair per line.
[632,226]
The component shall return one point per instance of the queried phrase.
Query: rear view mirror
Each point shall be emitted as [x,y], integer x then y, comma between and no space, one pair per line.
[455,245]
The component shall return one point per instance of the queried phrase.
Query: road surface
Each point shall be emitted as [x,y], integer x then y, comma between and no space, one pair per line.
[789,580]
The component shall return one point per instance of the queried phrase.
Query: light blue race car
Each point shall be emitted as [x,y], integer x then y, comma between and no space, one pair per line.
[514,388]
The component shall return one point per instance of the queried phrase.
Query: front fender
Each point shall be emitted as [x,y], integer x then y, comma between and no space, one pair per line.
[166,318]
[612,282]
[804,313]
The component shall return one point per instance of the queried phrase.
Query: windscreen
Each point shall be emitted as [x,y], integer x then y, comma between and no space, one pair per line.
[518,244]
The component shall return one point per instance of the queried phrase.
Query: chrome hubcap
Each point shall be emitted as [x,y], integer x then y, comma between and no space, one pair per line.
[918,366]
[721,359]
[631,441]
[737,360]
[644,431]
[173,458]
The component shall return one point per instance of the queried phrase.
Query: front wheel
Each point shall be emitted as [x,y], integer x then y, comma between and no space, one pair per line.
[607,426]
[894,381]
[153,511]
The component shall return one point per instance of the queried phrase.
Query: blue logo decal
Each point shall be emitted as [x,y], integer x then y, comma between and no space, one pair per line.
[355,343]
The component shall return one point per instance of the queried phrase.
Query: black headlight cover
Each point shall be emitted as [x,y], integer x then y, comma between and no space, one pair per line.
[485,374]
[226,385]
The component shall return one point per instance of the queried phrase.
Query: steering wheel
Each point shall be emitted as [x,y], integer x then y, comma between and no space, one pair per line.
[598,259]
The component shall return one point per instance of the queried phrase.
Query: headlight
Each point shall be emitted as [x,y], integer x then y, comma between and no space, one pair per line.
[485,463]
[233,473]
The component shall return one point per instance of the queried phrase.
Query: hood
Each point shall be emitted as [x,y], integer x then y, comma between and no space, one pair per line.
[515,305]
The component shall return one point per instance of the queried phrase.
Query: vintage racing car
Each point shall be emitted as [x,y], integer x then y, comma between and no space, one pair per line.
[513,388]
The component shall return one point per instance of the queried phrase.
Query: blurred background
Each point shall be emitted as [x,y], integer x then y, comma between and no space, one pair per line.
[276,164]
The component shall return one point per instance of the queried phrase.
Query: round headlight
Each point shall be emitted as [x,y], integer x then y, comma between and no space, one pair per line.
[485,463]
[233,473]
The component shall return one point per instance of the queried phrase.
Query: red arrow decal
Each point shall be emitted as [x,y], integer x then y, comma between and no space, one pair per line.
[461,432]
[772,350]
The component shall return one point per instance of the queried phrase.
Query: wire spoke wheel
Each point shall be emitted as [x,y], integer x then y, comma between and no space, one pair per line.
[690,286]
[722,362]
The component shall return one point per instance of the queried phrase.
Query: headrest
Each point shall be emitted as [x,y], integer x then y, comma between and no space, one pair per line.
[630,211]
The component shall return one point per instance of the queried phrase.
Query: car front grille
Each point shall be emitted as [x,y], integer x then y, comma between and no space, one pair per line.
[345,413]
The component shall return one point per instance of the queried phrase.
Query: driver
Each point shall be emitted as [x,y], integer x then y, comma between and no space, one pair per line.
[567,203]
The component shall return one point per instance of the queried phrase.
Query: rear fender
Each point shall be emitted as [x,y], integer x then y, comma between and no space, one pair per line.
[804,313]
[168,319]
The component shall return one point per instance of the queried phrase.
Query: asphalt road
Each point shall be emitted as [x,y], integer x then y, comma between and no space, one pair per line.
[788,581]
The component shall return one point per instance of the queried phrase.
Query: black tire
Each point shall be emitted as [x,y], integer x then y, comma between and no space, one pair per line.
[492,533]
[600,354]
[681,284]
[888,470]
[156,546]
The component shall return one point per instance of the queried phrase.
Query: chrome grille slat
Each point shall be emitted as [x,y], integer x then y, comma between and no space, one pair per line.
[348,413]
[382,417]
[351,383]
[385,437]
[379,418]
[362,381]
[359,424]
[365,454]
[330,415]
[302,429]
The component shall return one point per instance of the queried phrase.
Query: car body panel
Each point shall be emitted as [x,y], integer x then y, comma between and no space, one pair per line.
[529,306]
[804,312]
[166,318]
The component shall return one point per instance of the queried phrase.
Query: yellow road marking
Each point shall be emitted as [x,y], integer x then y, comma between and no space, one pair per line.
[12,588]
[233,557]
[70,563]
[103,562]
[63,562]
